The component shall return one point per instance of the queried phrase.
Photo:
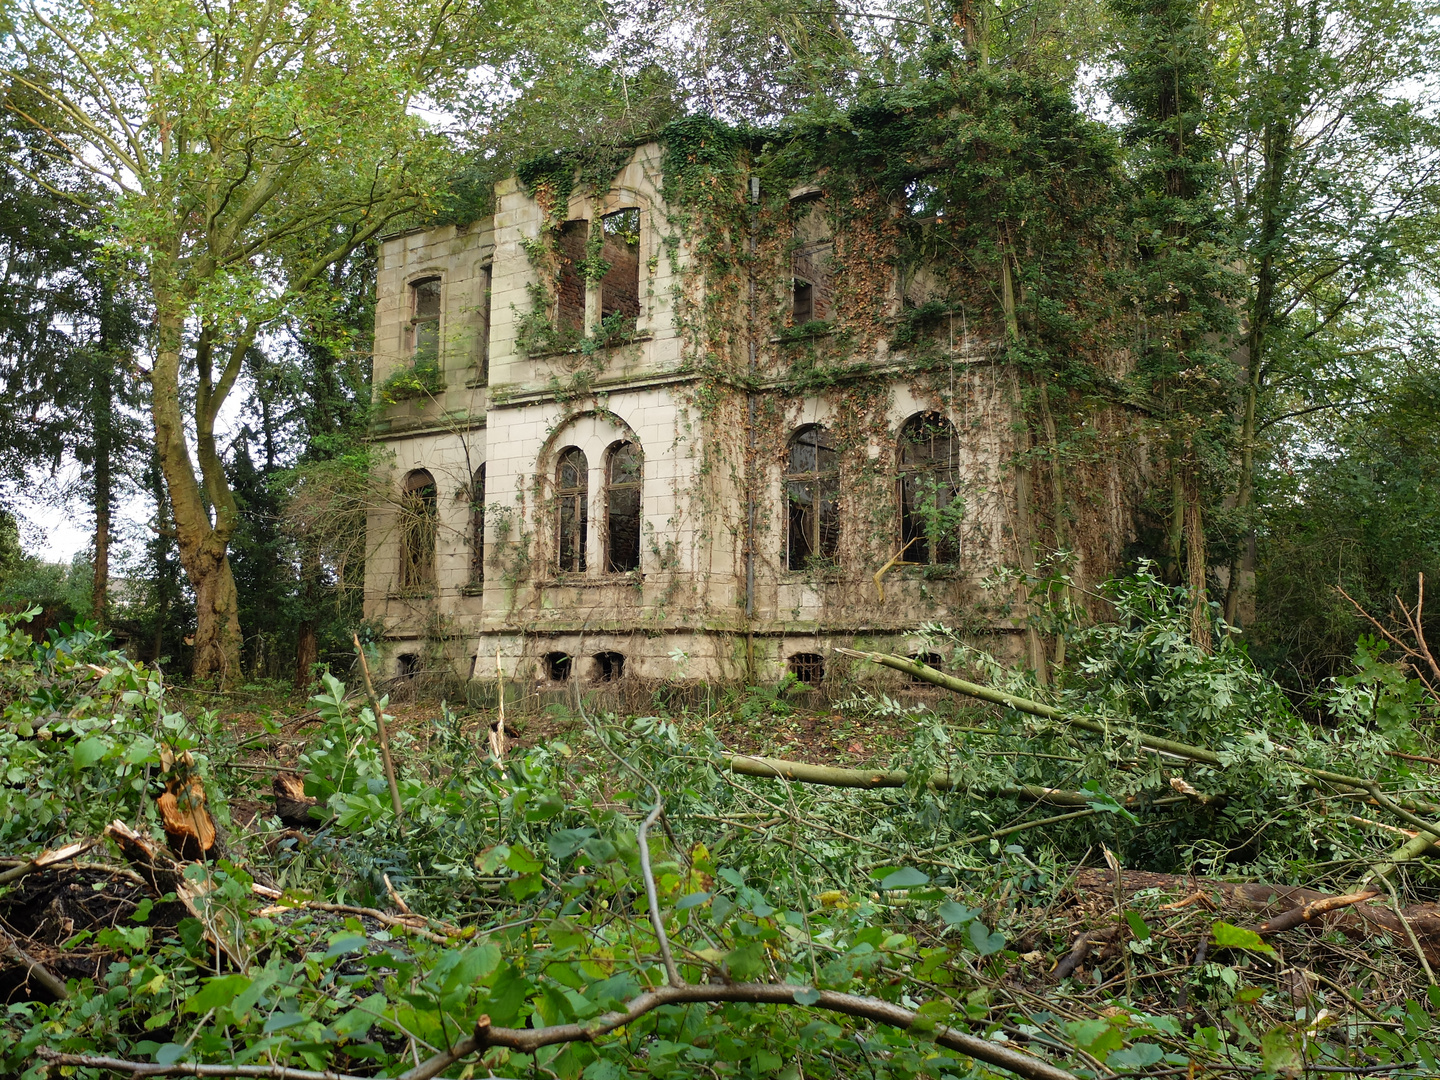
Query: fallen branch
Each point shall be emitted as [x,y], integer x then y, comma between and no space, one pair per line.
[47,859]
[149,1068]
[34,969]
[1200,754]
[1303,916]
[529,1040]
[408,923]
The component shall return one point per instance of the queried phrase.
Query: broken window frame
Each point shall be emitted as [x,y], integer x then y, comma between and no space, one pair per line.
[477,528]
[927,488]
[422,332]
[812,480]
[572,510]
[624,506]
[607,285]
[482,357]
[419,521]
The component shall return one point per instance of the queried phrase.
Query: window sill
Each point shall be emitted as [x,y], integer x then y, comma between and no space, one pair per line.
[410,594]
[474,589]
[589,580]
[633,339]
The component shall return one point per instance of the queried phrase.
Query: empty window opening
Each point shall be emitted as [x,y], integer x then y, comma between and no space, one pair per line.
[423,333]
[572,492]
[929,490]
[810,262]
[929,659]
[609,666]
[482,328]
[812,498]
[808,668]
[477,527]
[407,666]
[802,309]
[624,480]
[620,287]
[418,519]
[557,666]
[570,289]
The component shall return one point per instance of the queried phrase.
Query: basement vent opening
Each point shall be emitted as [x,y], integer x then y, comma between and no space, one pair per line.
[929,659]
[408,666]
[609,666]
[557,666]
[808,668]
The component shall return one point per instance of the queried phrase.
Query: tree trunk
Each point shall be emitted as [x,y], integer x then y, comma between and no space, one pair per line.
[202,543]
[1200,635]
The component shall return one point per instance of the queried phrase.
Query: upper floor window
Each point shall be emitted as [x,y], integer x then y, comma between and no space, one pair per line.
[810,261]
[477,527]
[418,520]
[482,346]
[572,496]
[929,490]
[570,288]
[624,478]
[423,333]
[812,498]
[620,286]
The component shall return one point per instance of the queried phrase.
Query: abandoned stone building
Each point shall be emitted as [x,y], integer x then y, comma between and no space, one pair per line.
[631,438]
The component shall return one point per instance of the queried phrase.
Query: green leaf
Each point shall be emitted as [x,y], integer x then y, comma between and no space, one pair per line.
[216,993]
[906,878]
[1098,800]
[956,914]
[88,751]
[1139,1056]
[806,995]
[1138,926]
[1225,936]
[1279,1052]
[984,941]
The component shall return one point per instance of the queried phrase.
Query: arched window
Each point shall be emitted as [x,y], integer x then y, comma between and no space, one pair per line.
[812,498]
[423,333]
[418,518]
[625,472]
[572,491]
[477,527]
[929,490]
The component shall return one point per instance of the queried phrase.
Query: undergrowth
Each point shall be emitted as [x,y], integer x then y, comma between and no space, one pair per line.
[950,903]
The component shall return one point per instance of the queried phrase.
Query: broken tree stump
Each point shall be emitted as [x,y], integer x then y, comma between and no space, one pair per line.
[292,805]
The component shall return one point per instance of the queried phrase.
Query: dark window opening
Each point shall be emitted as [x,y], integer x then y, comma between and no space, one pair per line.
[929,659]
[572,491]
[477,527]
[408,665]
[418,519]
[570,289]
[808,668]
[557,666]
[482,347]
[624,481]
[929,490]
[812,498]
[620,287]
[424,329]
[609,666]
[803,307]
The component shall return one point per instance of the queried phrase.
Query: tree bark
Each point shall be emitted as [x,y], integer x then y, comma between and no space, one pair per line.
[1195,561]
[202,542]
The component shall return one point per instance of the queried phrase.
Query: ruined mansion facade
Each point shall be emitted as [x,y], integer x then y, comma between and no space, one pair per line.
[624,442]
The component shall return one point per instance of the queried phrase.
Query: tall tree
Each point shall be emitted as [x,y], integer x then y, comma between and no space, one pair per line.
[245,147]
[1183,286]
[1327,120]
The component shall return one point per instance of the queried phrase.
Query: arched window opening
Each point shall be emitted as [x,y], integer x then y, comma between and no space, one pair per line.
[929,490]
[572,491]
[418,519]
[620,287]
[624,480]
[423,333]
[570,289]
[477,527]
[557,666]
[609,666]
[812,498]
[808,668]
